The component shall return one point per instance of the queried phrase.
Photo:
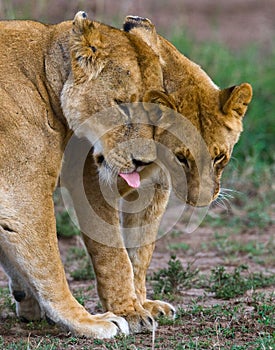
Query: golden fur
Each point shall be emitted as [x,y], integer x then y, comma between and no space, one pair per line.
[53,79]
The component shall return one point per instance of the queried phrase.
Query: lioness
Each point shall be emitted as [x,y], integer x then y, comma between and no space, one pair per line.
[207,123]
[217,115]
[52,80]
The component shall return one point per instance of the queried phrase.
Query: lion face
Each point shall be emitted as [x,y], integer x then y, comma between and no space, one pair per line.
[111,72]
[204,131]
[127,146]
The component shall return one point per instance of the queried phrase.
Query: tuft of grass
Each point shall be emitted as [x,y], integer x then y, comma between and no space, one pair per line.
[228,245]
[80,264]
[6,300]
[179,246]
[170,280]
[229,285]
[64,225]
[81,296]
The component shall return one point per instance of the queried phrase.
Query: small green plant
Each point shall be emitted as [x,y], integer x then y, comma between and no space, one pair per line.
[229,285]
[64,225]
[7,302]
[80,264]
[81,296]
[232,246]
[170,280]
[85,272]
[264,309]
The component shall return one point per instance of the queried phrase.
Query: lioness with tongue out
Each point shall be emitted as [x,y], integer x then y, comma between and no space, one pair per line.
[107,103]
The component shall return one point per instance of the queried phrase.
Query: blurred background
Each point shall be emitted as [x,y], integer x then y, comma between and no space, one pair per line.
[235,22]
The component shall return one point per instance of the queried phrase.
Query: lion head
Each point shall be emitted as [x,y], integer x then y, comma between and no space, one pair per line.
[111,72]
[207,121]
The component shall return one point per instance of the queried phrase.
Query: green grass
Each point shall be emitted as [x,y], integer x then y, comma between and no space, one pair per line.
[243,323]
[64,225]
[226,323]
[170,280]
[179,246]
[79,264]
[226,285]
[228,245]
[6,301]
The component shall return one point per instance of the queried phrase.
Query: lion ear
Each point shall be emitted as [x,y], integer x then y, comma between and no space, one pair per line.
[144,29]
[159,97]
[160,107]
[80,22]
[236,99]
[87,48]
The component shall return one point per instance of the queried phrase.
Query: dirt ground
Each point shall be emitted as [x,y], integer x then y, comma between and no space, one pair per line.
[236,23]
[200,251]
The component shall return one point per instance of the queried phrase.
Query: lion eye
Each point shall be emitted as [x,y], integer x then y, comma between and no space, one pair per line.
[183,160]
[93,48]
[118,102]
[219,158]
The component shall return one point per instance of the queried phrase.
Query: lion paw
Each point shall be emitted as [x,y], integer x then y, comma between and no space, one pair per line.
[101,329]
[141,321]
[104,326]
[159,308]
[27,307]
[109,320]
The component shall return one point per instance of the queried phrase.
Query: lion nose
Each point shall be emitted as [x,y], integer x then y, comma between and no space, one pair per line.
[139,163]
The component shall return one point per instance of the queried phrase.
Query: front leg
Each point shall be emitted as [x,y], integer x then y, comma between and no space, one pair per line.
[115,284]
[29,254]
[140,234]
[99,223]
[140,259]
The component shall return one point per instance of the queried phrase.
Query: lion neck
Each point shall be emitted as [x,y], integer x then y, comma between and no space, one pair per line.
[182,76]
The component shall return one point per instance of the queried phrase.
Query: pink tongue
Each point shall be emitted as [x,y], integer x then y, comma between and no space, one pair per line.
[132,179]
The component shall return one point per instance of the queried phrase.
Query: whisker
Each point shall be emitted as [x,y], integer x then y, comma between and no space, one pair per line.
[226,195]
[225,190]
[108,174]
[221,204]
[223,201]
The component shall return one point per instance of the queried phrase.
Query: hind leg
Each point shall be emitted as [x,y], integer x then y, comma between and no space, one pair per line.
[27,307]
